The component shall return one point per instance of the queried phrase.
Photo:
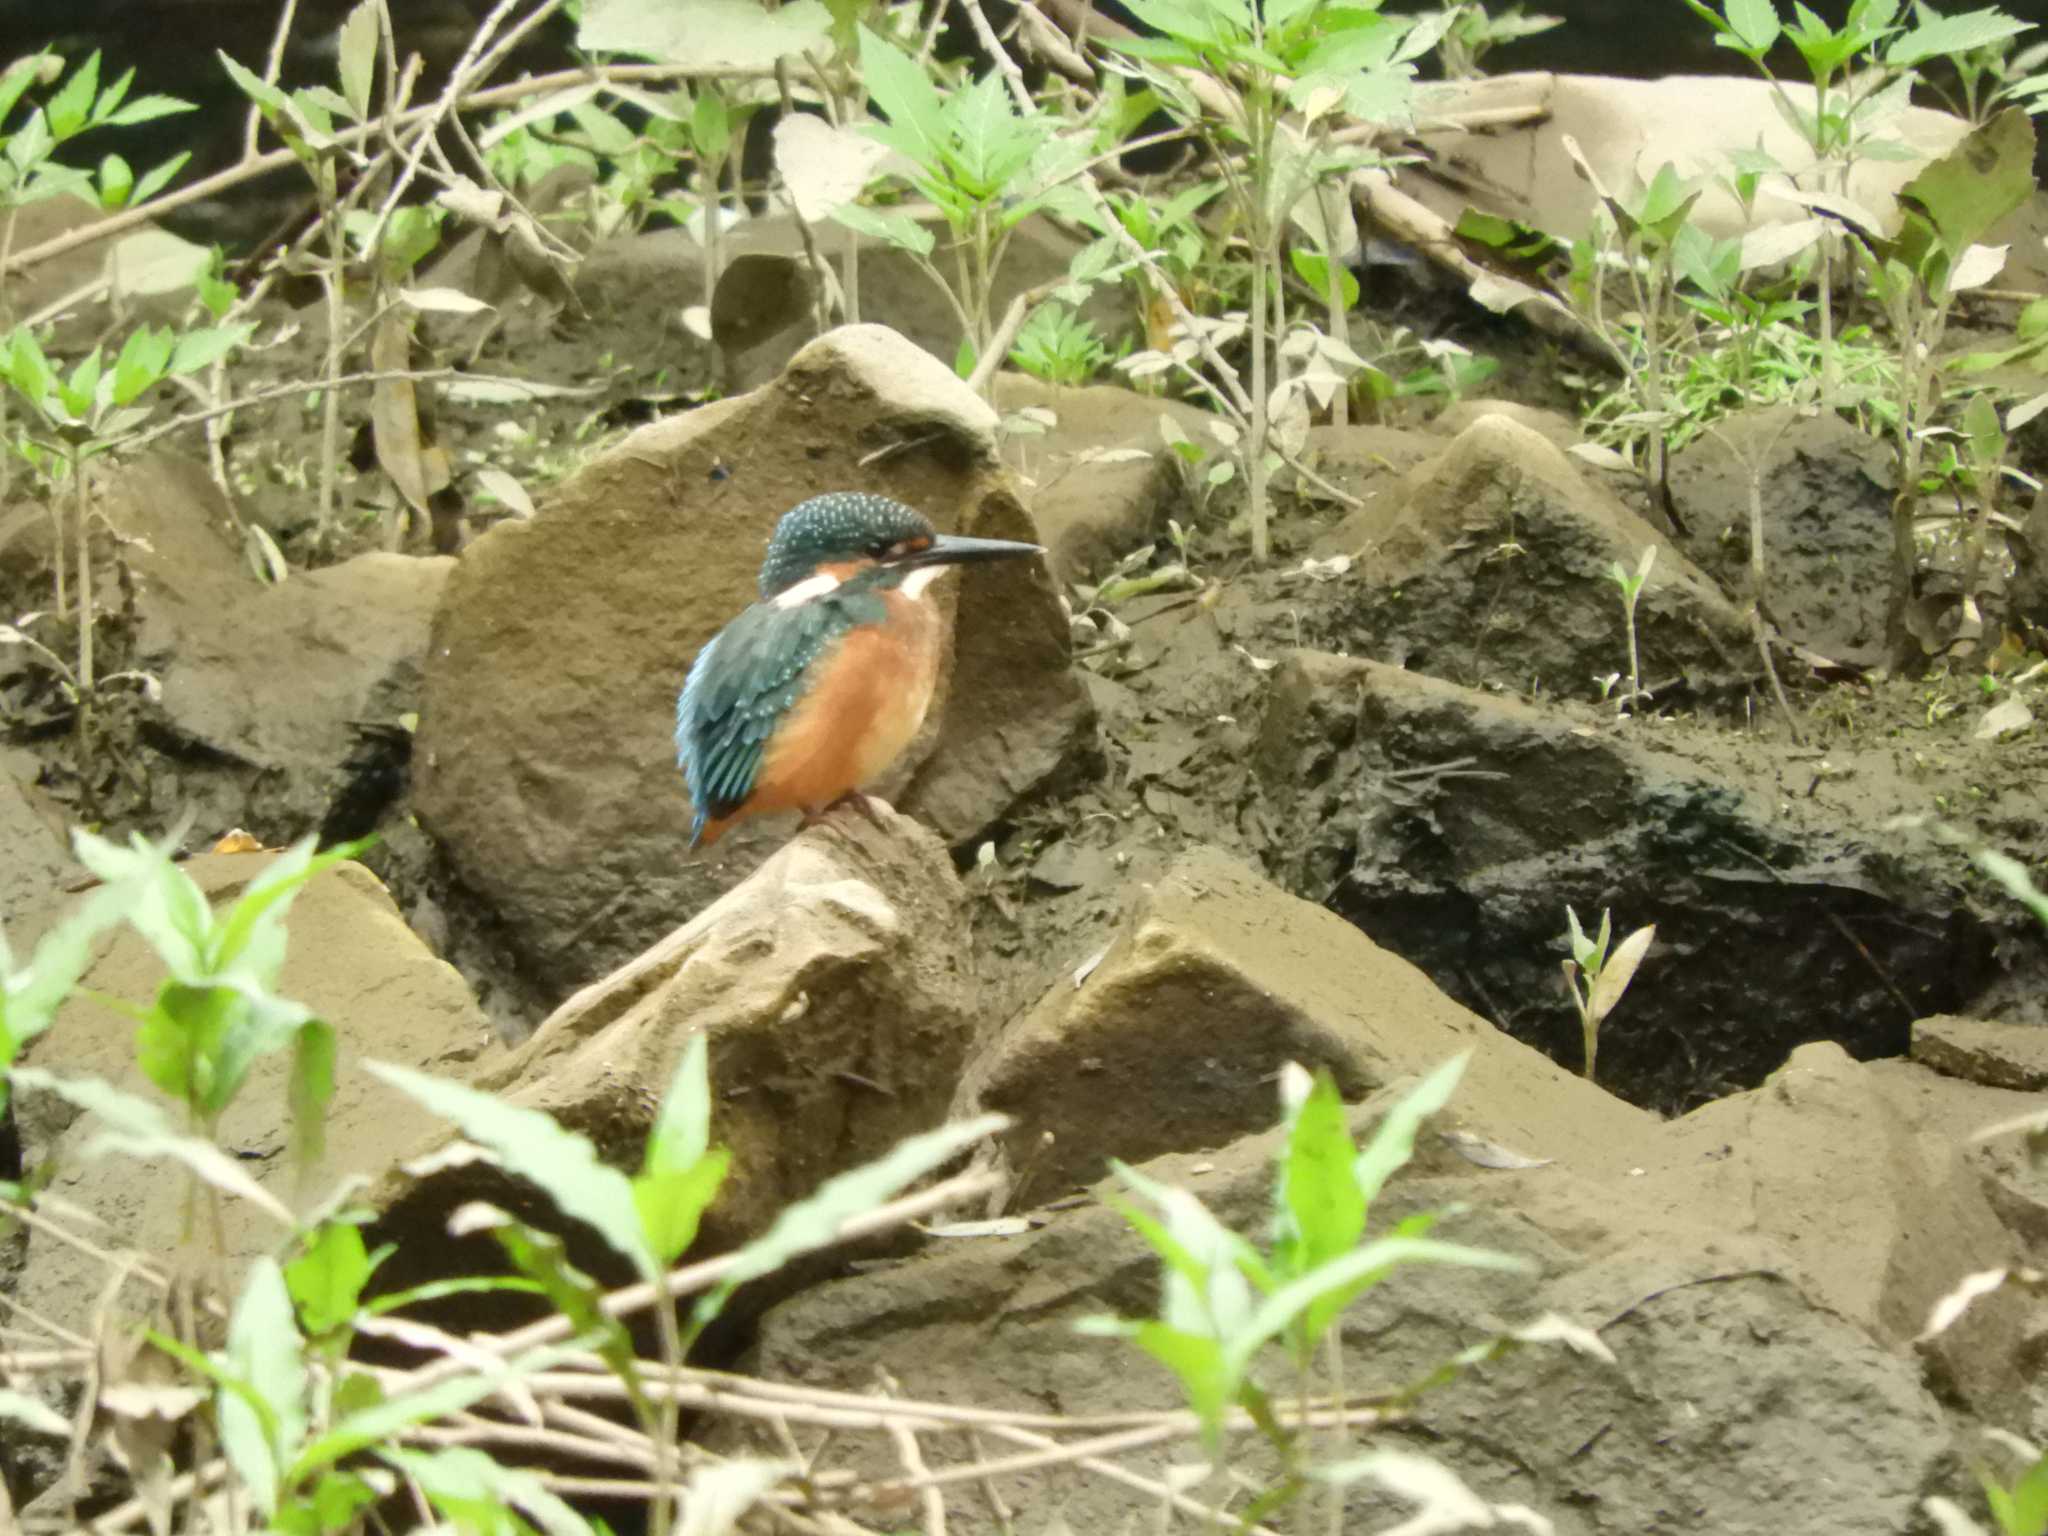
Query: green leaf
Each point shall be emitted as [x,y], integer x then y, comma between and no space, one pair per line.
[158,177]
[147,109]
[1343,1278]
[1314,270]
[162,903]
[312,1090]
[461,1285]
[1974,185]
[116,181]
[250,937]
[80,392]
[898,229]
[256,88]
[1393,1139]
[28,370]
[207,346]
[334,1502]
[137,1128]
[265,1350]
[898,85]
[358,50]
[815,1221]
[672,1203]
[1946,36]
[144,357]
[465,1484]
[29,999]
[1199,1364]
[1321,1208]
[531,1144]
[71,108]
[710,124]
[682,1130]
[1753,23]
[19,76]
[326,1281]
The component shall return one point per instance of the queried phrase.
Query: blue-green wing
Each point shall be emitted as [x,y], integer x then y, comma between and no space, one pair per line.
[742,685]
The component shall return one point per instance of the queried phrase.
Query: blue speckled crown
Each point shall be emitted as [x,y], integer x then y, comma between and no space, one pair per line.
[840,525]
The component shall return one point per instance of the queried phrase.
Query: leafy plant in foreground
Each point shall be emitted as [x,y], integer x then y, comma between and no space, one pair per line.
[1222,1300]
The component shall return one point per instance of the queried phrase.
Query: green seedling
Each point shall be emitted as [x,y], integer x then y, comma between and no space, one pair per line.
[982,160]
[1475,32]
[1223,1300]
[62,104]
[1271,80]
[77,417]
[1631,585]
[1641,236]
[1059,346]
[1917,276]
[313,121]
[1862,75]
[1597,980]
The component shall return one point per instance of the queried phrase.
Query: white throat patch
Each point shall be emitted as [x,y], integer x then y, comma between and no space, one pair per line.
[916,583]
[810,587]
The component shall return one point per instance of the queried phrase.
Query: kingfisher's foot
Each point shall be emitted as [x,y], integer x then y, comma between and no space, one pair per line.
[867,805]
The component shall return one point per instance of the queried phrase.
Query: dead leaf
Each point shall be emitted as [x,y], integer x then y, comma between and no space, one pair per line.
[823,167]
[506,488]
[2008,715]
[416,465]
[1487,1154]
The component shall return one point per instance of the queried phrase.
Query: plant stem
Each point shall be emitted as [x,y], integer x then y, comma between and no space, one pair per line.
[669,1418]
[81,514]
[331,283]
[1635,665]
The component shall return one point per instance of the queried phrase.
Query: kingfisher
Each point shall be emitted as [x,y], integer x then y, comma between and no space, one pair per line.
[809,695]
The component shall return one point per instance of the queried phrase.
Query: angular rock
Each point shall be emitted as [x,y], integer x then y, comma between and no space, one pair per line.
[1490,568]
[1454,826]
[36,861]
[832,989]
[355,963]
[1217,978]
[1100,481]
[1827,524]
[1754,1389]
[1949,1113]
[302,694]
[1984,1051]
[1554,426]
[546,765]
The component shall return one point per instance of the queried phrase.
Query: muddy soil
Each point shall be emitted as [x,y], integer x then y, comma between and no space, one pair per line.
[1182,703]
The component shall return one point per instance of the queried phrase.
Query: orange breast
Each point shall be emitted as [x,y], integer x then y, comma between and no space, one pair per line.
[866,704]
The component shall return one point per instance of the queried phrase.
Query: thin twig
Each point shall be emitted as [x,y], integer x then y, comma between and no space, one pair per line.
[280,159]
[149,435]
[273,66]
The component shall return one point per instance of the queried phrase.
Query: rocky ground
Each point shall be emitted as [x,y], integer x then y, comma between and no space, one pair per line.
[1330,811]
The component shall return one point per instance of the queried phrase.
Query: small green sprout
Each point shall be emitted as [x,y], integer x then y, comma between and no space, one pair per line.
[1631,586]
[1605,976]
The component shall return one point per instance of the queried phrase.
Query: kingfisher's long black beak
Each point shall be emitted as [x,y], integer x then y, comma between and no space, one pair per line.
[953,549]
